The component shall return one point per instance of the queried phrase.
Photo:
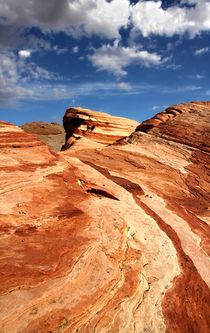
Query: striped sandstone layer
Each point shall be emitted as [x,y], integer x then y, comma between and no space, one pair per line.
[108,238]
[185,123]
[86,127]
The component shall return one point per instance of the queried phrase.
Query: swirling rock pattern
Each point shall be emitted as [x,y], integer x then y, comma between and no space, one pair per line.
[94,128]
[109,238]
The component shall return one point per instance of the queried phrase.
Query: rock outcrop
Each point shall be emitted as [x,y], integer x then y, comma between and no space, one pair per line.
[185,123]
[110,238]
[88,128]
[52,134]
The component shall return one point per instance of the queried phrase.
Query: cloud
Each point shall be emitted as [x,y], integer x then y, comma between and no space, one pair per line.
[173,66]
[155,107]
[107,18]
[115,58]
[181,89]
[39,44]
[149,17]
[196,76]
[21,79]
[75,49]
[202,51]
[13,38]
[89,17]
[124,86]
[103,18]
[24,53]
[199,76]
[109,88]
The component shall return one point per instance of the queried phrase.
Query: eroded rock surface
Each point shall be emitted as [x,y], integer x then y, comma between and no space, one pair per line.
[106,239]
[88,128]
[52,134]
[185,123]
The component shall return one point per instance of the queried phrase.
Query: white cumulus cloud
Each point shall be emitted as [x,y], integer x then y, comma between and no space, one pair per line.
[149,17]
[75,17]
[115,58]
[24,53]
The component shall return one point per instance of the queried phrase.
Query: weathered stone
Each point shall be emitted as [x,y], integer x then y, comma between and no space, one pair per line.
[87,128]
[107,238]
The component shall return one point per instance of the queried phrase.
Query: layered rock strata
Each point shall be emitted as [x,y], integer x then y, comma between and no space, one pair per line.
[106,239]
[185,123]
[85,127]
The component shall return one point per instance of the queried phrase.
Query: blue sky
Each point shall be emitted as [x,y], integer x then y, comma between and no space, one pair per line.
[127,58]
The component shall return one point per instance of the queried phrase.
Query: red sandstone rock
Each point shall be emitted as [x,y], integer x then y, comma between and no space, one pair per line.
[188,124]
[110,239]
[94,127]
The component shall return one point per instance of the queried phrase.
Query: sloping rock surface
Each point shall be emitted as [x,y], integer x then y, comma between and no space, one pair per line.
[87,128]
[107,239]
[52,134]
[184,123]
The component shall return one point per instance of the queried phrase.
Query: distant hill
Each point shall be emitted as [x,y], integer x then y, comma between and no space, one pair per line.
[52,134]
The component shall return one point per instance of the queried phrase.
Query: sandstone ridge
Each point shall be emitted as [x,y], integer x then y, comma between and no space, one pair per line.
[179,123]
[107,238]
[93,126]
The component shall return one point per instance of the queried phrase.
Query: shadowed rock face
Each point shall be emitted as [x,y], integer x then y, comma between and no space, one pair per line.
[108,238]
[86,127]
[52,134]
